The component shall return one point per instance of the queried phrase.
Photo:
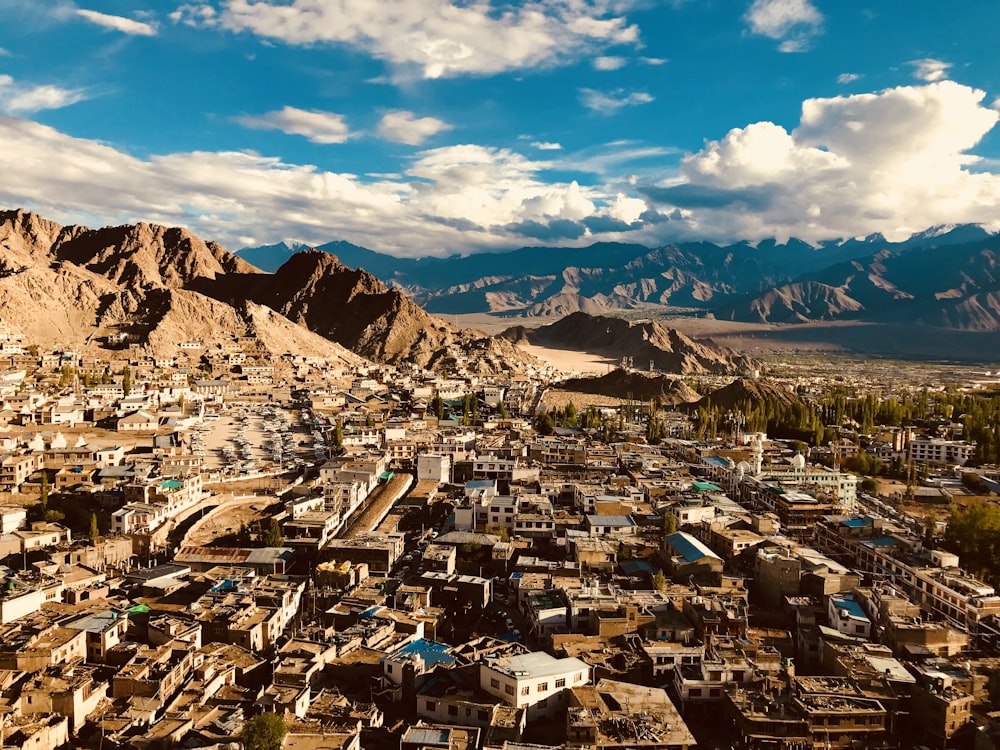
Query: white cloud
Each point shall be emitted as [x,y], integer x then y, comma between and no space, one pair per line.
[930,70]
[16,98]
[609,63]
[439,38]
[317,126]
[405,127]
[547,146]
[118,23]
[4,52]
[792,22]
[845,78]
[450,199]
[655,60]
[607,103]
[896,161]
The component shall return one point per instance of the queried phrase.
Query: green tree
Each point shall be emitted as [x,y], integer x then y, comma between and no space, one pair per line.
[271,534]
[502,410]
[544,423]
[569,415]
[264,732]
[94,531]
[43,493]
[669,524]
[660,581]
[127,380]
[338,438]
[437,405]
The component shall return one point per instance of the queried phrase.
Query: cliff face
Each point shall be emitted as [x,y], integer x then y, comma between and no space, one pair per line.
[160,285]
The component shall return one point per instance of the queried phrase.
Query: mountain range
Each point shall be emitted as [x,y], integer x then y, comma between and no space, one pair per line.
[157,287]
[945,277]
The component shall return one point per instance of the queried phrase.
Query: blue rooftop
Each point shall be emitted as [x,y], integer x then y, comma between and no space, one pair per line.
[716,461]
[850,605]
[635,567]
[431,652]
[886,541]
[706,487]
[689,548]
[857,523]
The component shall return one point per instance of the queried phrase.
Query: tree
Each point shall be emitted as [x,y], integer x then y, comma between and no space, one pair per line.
[569,415]
[263,732]
[502,410]
[660,581]
[437,404]
[669,524]
[338,438]
[127,381]
[94,531]
[43,493]
[544,423]
[271,534]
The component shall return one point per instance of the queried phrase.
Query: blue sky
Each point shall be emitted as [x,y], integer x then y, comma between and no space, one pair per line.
[432,127]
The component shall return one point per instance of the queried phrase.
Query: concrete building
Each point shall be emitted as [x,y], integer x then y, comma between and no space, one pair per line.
[537,682]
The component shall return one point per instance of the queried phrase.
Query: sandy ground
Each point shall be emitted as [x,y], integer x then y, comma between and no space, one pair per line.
[761,340]
[228,520]
[571,362]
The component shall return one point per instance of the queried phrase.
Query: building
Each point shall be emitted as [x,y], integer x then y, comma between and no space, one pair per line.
[614,714]
[537,682]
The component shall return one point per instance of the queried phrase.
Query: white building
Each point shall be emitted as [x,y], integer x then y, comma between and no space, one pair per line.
[938,452]
[536,682]
[847,616]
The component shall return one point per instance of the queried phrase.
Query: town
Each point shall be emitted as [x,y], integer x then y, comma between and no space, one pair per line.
[222,546]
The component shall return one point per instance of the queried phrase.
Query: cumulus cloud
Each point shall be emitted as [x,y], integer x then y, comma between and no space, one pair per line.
[405,127]
[450,199]
[118,23]
[792,23]
[317,126]
[17,98]
[609,102]
[845,78]
[896,161]
[609,63]
[439,38]
[930,70]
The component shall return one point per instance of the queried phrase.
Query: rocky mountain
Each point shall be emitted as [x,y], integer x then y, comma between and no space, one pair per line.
[749,393]
[160,286]
[645,342]
[947,286]
[734,281]
[621,383]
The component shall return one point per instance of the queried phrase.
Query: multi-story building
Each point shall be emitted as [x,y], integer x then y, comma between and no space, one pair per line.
[537,682]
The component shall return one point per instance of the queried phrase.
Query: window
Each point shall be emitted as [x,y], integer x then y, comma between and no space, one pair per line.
[526,690]
[429,705]
[495,683]
[483,715]
[561,682]
[542,687]
[694,693]
[509,689]
[453,710]
[859,628]
[714,693]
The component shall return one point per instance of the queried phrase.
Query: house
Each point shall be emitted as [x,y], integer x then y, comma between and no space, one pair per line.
[537,682]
